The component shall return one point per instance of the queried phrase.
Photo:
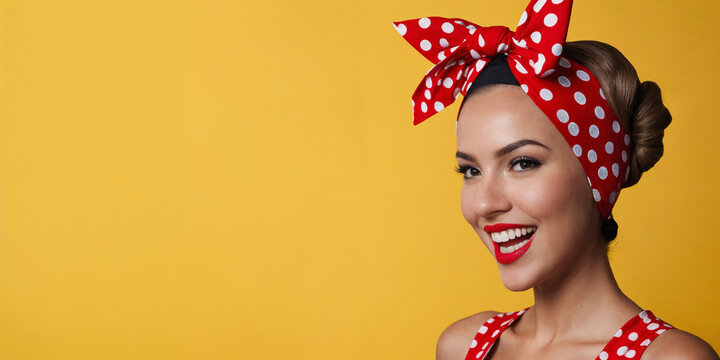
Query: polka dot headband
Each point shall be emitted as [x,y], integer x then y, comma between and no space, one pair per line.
[567,92]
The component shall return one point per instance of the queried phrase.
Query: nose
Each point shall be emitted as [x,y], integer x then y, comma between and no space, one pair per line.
[486,198]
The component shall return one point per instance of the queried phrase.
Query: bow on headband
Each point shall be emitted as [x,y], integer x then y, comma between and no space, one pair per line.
[566,91]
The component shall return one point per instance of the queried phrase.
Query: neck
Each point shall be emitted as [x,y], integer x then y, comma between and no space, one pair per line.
[589,292]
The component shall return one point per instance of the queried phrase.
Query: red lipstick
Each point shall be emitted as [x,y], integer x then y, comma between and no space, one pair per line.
[508,258]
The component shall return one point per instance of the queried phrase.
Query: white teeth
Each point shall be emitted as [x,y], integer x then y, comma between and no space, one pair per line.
[506,235]
[509,249]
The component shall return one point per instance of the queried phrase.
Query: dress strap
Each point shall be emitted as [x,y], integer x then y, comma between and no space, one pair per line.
[489,332]
[628,343]
[634,337]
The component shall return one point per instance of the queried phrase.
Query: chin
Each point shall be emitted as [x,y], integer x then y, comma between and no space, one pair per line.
[514,281]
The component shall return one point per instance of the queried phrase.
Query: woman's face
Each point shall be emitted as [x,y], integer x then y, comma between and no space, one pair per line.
[521,178]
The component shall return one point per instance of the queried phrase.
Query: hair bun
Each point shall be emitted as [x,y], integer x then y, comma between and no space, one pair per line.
[647,121]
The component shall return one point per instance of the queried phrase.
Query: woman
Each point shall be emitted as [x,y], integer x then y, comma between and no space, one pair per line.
[548,134]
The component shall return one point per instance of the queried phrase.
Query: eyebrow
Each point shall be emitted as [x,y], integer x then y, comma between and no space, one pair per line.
[504,151]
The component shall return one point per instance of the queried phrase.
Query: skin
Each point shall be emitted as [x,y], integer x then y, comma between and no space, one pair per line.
[567,265]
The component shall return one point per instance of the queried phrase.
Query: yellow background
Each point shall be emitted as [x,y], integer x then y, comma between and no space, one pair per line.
[236,180]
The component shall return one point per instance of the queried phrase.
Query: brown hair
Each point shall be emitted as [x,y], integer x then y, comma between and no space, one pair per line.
[638,105]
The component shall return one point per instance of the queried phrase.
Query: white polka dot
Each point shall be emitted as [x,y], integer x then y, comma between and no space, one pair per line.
[613,196]
[627,139]
[459,75]
[481,40]
[660,331]
[540,63]
[424,23]
[565,82]
[483,329]
[538,5]
[615,169]
[588,179]
[633,336]
[577,150]
[520,68]
[439,106]
[609,147]
[441,56]
[520,43]
[594,131]
[474,54]
[556,1]
[536,37]
[428,95]
[645,342]
[622,350]
[473,343]
[479,65]
[479,355]
[448,83]
[624,156]
[592,156]
[448,27]
[619,332]
[616,126]
[573,129]
[583,75]
[580,98]
[524,87]
[599,112]
[487,343]
[423,107]
[602,173]
[603,355]
[546,94]
[495,333]
[456,92]
[444,43]
[630,354]
[547,73]
[402,29]
[557,49]
[523,18]
[653,326]
[563,116]
[428,82]
[502,47]
[602,94]
[550,20]
[596,195]
[565,63]
[425,45]
[643,314]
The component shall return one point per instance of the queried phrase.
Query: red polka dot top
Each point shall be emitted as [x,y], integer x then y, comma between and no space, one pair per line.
[628,343]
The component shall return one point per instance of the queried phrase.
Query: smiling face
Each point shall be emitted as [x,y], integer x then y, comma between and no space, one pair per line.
[524,192]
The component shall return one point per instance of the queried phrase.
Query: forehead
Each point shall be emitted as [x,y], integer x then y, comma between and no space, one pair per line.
[502,114]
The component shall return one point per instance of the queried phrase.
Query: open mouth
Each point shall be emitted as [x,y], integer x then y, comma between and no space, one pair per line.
[510,244]
[512,239]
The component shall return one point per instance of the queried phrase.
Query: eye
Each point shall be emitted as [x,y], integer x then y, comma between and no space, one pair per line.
[467,171]
[524,164]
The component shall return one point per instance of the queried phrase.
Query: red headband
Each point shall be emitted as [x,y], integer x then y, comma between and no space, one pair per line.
[567,92]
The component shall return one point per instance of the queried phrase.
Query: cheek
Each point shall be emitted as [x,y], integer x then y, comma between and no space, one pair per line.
[465,205]
[562,198]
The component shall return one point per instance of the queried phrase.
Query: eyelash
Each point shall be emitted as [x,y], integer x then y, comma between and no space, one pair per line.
[463,169]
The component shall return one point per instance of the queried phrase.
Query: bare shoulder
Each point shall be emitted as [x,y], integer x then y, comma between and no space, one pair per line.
[676,344]
[454,342]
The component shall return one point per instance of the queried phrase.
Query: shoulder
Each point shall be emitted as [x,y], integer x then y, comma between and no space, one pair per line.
[676,344]
[455,341]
